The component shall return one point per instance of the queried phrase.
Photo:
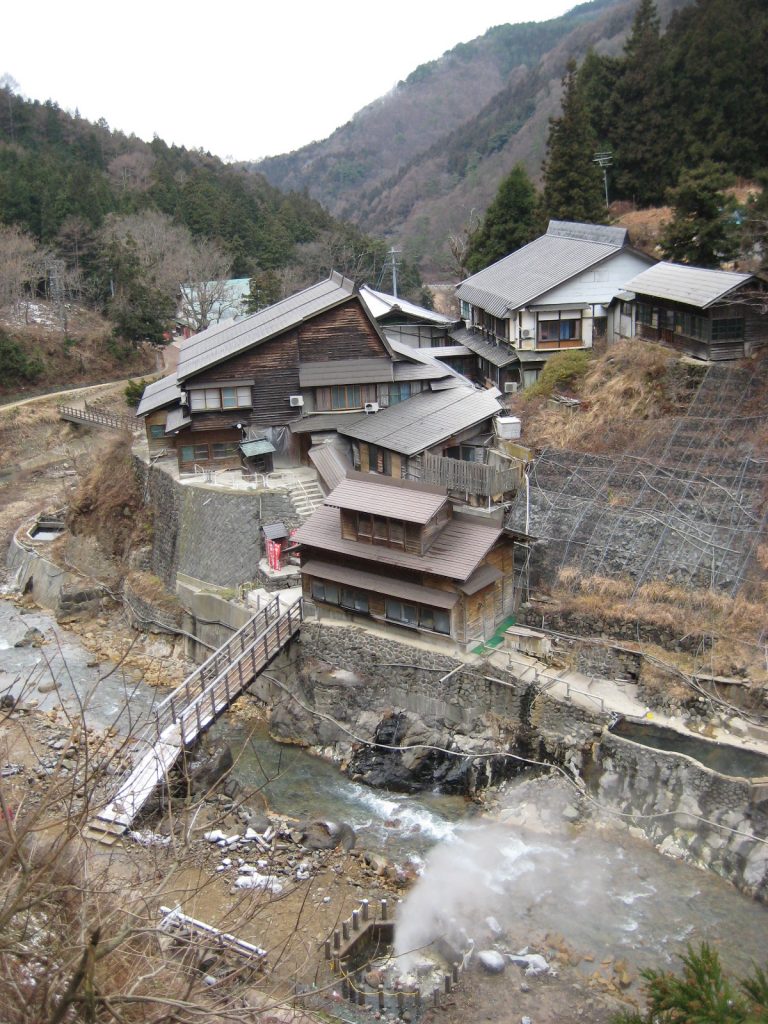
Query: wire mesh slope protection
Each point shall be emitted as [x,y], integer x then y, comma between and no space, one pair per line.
[685,504]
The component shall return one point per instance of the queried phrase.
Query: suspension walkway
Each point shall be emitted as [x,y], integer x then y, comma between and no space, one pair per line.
[192,708]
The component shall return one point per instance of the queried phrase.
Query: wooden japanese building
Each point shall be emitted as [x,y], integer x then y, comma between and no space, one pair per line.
[710,314]
[400,553]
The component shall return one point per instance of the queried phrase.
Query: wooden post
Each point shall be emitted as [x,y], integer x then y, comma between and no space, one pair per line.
[345,930]
[383,910]
[360,997]
[455,972]
[337,939]
[355,920]
[381,997]
[436,997]
[365,909]
[327,949]
[447,983]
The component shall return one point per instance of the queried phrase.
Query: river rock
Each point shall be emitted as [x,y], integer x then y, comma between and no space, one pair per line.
[206,771]
[491,961]
[326,835]
[32,638]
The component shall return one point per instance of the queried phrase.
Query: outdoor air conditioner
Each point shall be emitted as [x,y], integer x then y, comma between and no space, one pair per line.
[511,387]
[371,407]
[296,401]
[526,334]
[184,398]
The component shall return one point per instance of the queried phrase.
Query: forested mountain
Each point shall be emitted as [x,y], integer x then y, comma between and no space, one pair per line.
[92,216]
[425,161]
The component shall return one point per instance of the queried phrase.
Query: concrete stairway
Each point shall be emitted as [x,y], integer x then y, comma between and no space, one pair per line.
[306,496]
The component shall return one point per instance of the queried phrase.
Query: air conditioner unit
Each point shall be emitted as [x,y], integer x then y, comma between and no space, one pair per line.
[184,398]
[511,387]
[526,334]
[371,407]
[296,401]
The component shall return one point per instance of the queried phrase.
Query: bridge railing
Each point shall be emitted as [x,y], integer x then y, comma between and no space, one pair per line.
[99,418]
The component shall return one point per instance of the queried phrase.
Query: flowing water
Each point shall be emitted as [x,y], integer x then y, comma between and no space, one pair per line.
[606,895]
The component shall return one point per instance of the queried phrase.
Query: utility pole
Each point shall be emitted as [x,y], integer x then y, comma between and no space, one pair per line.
[394,253]
[604,160]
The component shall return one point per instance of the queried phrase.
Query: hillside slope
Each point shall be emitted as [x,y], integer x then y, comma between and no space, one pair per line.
[415,163]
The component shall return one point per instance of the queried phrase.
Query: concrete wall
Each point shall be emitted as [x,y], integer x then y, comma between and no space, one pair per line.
[67,594]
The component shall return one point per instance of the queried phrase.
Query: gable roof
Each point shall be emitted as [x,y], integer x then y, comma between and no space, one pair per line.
[425,419]
[567,249]
[456,552]
[222,341]
[385,496]
[381,304]
[161,392]
[693,286]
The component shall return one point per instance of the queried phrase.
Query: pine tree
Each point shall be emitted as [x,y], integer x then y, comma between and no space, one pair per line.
[702,231]
[510,222]
[573,183]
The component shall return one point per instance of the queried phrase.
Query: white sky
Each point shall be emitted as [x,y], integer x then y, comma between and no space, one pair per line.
[241,79]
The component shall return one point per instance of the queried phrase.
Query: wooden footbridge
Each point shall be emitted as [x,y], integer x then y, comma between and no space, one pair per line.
[99,418]
[192,708]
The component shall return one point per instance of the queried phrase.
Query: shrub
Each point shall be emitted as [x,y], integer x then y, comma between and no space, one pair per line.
[562,368]
[15,364]
[134,389]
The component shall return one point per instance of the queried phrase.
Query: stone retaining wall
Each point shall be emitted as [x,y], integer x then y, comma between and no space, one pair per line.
[388,692]
[67,594]
[208,533]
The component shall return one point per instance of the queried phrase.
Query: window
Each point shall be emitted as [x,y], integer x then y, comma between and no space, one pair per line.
[345,597]
[194,453]
[224,449]
[378,460]
[559,330]
[380,530]
[418,616]
[157,431]
[201,399]
[401,390]
[346,396]
[732,328]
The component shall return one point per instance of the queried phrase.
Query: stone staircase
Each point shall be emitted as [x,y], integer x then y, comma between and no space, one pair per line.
[306,496]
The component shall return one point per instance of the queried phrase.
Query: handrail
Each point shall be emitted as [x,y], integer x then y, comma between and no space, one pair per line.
[104,419]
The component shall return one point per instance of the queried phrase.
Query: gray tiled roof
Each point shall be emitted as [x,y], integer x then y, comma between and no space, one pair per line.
[456,552]
[381,304]
[321,422]
[496,355]
[161,392]
[220,342]
[386,497]
[331,464]
[345,371]
[176,419]
[693,286]
[565,250]
[424,420]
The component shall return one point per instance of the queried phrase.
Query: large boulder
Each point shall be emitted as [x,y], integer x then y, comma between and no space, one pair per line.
[326,835]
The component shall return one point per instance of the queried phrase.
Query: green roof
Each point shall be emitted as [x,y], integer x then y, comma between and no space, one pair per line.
[259,447]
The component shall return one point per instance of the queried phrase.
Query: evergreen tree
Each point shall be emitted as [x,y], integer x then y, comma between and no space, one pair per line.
[703,231]
[573,183]
[510,222]
[641,123]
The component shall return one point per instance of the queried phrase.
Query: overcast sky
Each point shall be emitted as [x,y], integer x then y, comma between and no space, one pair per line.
[241,79]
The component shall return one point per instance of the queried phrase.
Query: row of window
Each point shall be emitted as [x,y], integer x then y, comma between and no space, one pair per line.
[690,325]
[220,398]
[354,396]
[416,615]
[380,530]
[205,452]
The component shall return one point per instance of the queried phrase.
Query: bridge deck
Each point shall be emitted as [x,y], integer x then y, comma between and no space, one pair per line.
[193,707]
[98,418]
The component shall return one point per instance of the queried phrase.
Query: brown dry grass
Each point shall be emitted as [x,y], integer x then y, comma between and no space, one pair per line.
[645,226]
[624,394]
[108,504]
[734,623]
